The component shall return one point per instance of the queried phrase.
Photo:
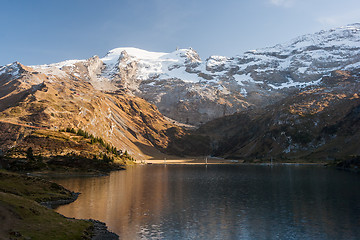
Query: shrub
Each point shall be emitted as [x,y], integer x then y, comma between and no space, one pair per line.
[30,154]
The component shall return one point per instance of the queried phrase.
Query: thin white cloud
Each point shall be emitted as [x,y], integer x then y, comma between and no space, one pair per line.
[340,19]
[282,3]
[328,21]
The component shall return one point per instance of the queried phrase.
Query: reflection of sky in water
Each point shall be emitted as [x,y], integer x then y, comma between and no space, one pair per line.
[221,202]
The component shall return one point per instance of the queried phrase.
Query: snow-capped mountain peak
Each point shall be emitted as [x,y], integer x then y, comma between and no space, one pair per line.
[12,69]
[152,65]
[346,36]
[191,90]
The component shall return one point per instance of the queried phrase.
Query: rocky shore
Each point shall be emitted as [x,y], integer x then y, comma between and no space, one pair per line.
[101,232]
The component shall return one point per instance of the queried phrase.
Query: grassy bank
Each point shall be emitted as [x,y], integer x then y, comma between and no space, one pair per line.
[23,217]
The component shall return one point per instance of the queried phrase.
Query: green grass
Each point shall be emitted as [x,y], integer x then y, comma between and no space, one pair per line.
[51,134]
[32,188]
[20,195]
[37,222]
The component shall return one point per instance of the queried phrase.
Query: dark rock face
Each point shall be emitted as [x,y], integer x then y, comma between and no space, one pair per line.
[351,164]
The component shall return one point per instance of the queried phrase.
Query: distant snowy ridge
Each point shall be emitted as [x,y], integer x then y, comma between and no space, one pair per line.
[305,58]
[192,90]
[308,57]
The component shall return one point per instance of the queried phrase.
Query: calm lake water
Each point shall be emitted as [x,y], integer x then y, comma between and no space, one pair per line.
[221,202]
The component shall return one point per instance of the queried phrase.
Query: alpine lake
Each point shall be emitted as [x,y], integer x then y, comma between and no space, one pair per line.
[221,202]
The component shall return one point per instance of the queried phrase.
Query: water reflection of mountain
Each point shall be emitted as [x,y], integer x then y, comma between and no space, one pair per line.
[221,202]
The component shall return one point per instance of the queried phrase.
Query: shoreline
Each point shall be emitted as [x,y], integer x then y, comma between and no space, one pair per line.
[56,203]
[24,196]
[217,161]
[99,230]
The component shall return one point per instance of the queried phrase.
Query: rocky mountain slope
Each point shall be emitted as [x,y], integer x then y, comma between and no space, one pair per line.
[315,123]
[300,87]
[33,100]
[190,90]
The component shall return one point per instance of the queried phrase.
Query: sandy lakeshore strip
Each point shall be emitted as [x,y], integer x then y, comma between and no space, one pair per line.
[203,161]
[193,161]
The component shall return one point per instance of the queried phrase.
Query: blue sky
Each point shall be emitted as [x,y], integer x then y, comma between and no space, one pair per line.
[38,32]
